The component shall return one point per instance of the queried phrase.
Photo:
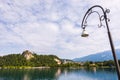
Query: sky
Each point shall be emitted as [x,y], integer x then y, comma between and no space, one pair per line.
[54,27]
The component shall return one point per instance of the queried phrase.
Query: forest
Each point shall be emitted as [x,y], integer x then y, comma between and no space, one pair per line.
[19,60]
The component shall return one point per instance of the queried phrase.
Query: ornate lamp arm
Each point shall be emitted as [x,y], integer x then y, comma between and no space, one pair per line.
[101,17]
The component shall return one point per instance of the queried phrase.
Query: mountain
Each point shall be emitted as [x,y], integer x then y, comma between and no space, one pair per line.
[101,56]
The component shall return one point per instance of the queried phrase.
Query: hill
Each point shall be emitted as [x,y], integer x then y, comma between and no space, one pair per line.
[101,56]
[28,58]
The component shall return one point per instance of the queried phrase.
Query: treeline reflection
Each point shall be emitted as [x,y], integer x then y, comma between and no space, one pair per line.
[56,74]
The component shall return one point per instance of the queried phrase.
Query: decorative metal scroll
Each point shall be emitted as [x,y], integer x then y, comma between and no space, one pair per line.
[101,17]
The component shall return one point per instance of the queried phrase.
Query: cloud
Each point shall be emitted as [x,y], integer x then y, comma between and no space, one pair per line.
[53,27]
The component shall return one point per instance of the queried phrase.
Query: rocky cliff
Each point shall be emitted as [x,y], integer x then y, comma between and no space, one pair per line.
[27,54]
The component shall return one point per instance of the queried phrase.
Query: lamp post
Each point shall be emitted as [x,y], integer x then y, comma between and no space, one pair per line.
[102,17]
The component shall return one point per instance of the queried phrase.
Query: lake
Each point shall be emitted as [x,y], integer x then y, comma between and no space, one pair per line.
[58,74]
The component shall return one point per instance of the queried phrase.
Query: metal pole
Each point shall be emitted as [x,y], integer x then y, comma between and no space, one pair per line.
[112,48]
[114,55]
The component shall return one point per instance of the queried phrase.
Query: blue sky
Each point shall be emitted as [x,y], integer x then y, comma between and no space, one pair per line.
[53,27]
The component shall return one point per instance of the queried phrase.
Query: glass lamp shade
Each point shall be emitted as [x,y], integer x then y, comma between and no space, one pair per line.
[84,33]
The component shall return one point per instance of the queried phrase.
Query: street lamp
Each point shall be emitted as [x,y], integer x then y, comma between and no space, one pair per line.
[102,17]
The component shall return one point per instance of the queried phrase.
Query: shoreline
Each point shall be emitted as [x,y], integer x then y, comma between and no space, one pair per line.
[23,67]
[46,67]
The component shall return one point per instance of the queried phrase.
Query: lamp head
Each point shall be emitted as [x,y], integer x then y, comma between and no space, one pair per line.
[84,33]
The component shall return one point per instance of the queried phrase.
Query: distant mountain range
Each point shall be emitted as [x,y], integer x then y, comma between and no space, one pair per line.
[101,56]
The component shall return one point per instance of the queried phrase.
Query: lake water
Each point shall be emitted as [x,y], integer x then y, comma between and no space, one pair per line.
[58,74]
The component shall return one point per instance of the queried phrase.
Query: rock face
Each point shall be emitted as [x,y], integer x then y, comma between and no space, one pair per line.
[27,54]
[57,60]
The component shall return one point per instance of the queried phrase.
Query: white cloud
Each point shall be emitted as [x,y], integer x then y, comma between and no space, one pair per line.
[38,35]
[53,26]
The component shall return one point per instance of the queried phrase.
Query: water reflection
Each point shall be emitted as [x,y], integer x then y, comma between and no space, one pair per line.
[90,74]
[58,74]
[31,74]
